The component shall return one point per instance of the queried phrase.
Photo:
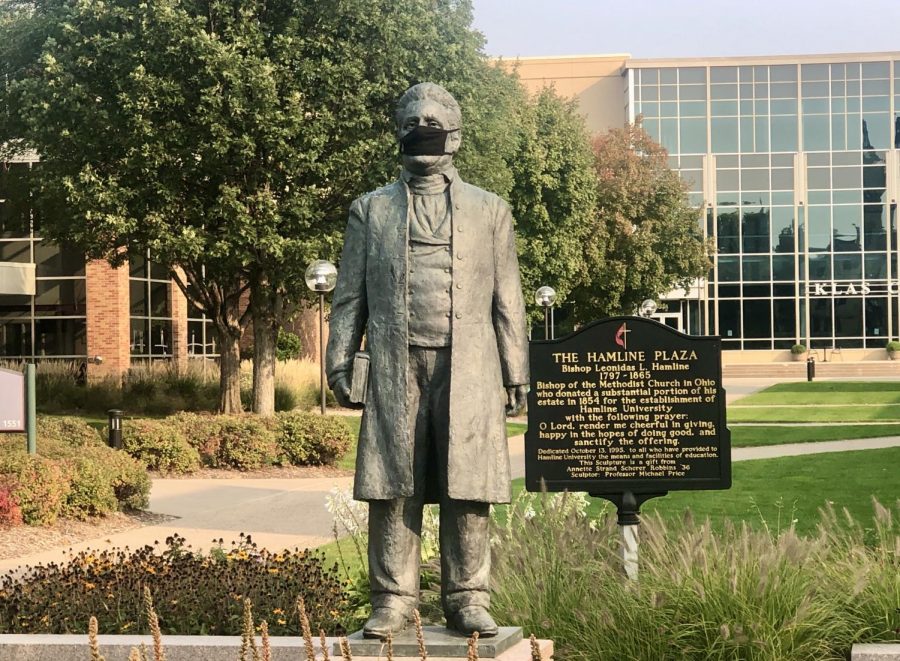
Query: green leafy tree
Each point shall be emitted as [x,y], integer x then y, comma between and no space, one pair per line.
[226,136]
[647,238]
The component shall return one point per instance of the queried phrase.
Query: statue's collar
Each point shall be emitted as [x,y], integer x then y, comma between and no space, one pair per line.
[431,183]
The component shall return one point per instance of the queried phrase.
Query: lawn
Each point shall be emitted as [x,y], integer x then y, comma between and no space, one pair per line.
[775,491]
[826,392]
[756,435]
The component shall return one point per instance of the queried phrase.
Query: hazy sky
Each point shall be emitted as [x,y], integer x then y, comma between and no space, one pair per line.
[683,28]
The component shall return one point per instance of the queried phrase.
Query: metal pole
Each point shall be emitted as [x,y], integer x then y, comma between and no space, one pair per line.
[628,549]
[322,347]
[552,324]
[31,408]
[546,322]
[114,435]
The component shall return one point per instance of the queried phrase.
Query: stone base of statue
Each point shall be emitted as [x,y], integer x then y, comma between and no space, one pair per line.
[441,643]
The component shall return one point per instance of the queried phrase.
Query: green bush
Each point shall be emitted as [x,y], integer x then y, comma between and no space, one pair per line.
[40,486]
[159,445]
[243,442]
[194,593]
[892,346]
[311,439]
[798,349]
[10,512]
[731,594]
[288,346]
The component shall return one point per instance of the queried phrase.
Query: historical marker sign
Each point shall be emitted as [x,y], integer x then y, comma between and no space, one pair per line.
[12,401]
[627,405]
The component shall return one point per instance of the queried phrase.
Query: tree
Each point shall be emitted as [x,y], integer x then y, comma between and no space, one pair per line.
[226,136]
[647,238]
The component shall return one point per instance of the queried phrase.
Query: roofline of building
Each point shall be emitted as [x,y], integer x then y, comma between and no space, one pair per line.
[725,60]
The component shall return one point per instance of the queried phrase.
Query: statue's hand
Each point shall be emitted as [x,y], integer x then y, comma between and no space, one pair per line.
[516,399]
[341,390]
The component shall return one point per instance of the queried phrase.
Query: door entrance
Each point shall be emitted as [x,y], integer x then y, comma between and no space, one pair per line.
[671,319]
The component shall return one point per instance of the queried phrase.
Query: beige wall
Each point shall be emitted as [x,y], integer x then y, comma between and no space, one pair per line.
[594,80]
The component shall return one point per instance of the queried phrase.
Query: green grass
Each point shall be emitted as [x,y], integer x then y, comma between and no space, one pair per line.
[826,392]
[775,491]
[742,437]
[884,413]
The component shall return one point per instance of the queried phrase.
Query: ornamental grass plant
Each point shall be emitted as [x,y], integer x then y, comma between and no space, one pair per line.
[737,593]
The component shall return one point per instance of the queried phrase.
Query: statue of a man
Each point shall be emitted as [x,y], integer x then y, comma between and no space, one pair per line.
[429,274]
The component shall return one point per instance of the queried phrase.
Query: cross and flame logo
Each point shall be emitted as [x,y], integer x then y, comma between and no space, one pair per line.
[622,335]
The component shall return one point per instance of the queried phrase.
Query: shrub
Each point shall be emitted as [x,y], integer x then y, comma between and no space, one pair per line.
[10,512]
[798,349]
[892,346]
[72,431]
[312,439]
[40,485]
[194,593]
[159,445]
[228,441]
[288,346]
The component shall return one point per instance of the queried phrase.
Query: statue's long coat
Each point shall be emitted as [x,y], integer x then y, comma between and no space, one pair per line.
[489,346]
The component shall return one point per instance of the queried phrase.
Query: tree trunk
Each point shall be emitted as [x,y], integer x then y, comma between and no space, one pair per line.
[230,373]
[265,337]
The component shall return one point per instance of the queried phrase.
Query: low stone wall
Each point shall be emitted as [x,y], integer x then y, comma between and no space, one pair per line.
[876,652]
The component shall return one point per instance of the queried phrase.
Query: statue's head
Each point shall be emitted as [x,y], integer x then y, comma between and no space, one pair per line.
[428,128]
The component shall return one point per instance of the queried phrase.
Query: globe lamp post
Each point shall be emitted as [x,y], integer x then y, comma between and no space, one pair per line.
[545,297]
[321,276]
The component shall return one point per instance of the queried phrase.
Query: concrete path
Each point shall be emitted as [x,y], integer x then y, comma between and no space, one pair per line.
[819,447]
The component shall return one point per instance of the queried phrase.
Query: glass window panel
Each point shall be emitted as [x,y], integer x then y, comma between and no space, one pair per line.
[747,134]
[783,90]
[159,299]
[818,178]
[783,318]
[60,297]
[878,127]
[818,159]
[783,73]
[876,70]
[819,228]
[159,271]
[668,109]
[813,72]
[783,266]
[755,230]
[137,266]
[692,178]
[815,106]
[648,109]
[729,269]
[649,76]
[848,266]
[727,226]
[725,200]
[848,318]
[784,107]
[756,290]
[876,316]
[723,92]
[782,229]
[814,90]
[15,338]
[820,317]
[650,94]
[692,75]
[17,307]
[669,134]
[53,260]
[724,132]
[60,337]
[819,266]
[667,75]
[724,108]
[757,317]
[140,337]
[784,133]
[15,251]
[746,107]
[727,180]
[754,160]
[876,104]
[846,158]
[838,132]
[875,267]
[761,134]
[874,227]
[15,209]
[729,291]
[782,179]
[14,220]
[846,196]
[668,93]
[756,268]
[784,290]
[693,108]
[782,197]
[139,304]
[782,160]
[755,199]
[729,318]
[692,136]
[838,105]
[754,180]
[838,89]
[846,177]
[853,89]
[160,337]
[691,162]
[852,70]
[816,133]
[723,74]
[761,107]
[692,93]
[838,71]
[846,222]
[854,131]
[819,196]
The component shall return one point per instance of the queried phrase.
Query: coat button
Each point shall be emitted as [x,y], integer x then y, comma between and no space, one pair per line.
[459,228]
[459,315]
[446,270]
[412,313]
[459,285]
[448,315]
[459,256]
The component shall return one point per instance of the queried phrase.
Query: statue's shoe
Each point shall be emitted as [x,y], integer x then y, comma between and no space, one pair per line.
[385,621]
[469,619]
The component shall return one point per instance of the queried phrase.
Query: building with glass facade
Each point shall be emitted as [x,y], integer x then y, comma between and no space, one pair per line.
[794,163]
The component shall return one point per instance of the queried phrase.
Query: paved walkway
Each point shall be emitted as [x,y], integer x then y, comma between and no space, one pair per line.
[283,513]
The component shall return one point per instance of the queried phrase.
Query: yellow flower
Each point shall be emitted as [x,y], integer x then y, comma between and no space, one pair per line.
[273,570]
[89,586]
[280,621]
[277,611]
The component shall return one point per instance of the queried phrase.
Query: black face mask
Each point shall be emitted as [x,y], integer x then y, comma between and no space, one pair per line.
[426,141]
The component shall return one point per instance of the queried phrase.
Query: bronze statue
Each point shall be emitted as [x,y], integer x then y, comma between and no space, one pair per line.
[429,275]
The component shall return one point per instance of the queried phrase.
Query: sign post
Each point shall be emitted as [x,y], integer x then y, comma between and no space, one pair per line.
[31,408]
[627,409]
[12,402]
